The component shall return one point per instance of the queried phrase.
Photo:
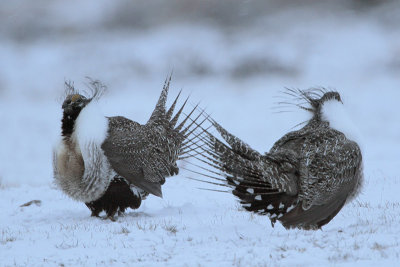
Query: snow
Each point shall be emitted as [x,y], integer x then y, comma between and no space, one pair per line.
[238,74]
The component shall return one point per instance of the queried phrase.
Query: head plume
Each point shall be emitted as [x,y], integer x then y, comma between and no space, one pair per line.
[94,90]
[310,100]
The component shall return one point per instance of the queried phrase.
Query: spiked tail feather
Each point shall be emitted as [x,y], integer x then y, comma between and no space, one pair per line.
[159,111]
[176,117]
[171,109]
[237,145]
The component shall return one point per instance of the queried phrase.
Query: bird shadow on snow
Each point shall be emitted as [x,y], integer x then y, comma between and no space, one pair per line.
[168,210]
[135,214]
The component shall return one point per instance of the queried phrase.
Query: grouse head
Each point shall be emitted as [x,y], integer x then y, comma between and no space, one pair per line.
[318,102]
[312,100]
[317,98]
[328,96]
[73,104]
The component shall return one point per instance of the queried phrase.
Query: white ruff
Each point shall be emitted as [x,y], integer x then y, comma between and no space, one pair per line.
[90,131]
[336,114]
[88,182]
[91,126]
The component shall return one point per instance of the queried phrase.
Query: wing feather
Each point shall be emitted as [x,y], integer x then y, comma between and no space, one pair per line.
[335,170]
[136,152]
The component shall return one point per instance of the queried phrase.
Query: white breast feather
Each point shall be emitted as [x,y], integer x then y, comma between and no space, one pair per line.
[91,126]
[338,117]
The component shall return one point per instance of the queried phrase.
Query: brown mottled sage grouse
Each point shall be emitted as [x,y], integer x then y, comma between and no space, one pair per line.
[112,163]
[304,180]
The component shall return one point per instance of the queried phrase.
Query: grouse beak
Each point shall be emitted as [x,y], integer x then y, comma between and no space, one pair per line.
[67,108]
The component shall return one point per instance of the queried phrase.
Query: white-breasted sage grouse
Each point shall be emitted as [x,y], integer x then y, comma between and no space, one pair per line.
[112,163]
[306,177]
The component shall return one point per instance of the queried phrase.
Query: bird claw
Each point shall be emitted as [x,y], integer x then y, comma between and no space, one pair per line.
[120,213]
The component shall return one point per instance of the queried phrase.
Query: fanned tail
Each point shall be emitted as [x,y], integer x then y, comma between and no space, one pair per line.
[184,139]
[243,171]
[189,132]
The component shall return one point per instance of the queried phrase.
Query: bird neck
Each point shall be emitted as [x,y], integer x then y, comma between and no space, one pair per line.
[68,123]
[317,122]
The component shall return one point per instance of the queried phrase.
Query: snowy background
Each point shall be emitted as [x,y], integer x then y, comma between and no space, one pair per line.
[233,56]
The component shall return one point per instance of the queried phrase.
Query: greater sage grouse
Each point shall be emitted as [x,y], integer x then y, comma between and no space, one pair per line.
[112,163]
[304,180]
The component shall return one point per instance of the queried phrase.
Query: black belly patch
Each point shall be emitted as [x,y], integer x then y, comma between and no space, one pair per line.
[118,197]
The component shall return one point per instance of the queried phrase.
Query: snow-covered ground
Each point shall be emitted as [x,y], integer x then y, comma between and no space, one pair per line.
[237,73]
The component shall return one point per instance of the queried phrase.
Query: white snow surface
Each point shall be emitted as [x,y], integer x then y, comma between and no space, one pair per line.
[238,74]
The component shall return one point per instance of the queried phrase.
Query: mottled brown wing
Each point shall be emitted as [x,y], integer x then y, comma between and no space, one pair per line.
[334,168]
[137,152]
[146,154]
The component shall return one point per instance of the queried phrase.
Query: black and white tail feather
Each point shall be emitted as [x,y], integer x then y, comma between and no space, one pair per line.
[303,181]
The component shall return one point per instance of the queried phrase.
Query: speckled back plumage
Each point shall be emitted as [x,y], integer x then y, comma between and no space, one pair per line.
[146,154]
[303,181]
